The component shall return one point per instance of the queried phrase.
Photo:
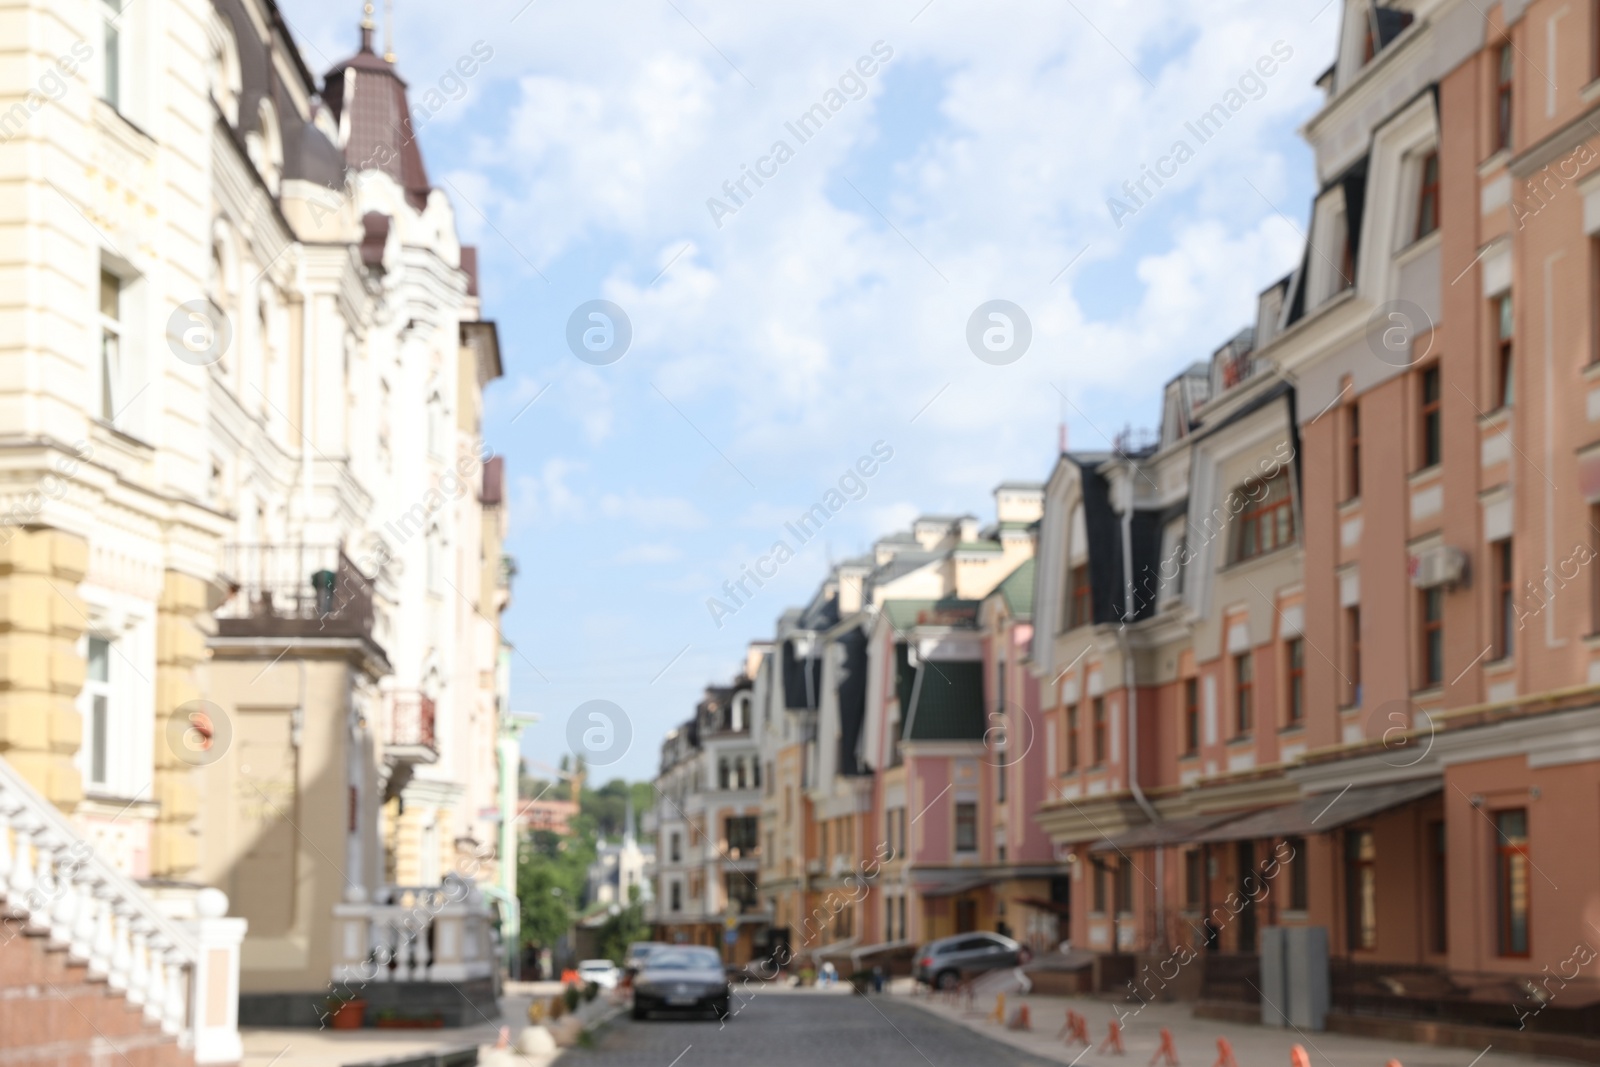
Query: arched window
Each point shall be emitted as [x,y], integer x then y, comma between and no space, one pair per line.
[266,146]
[223,74]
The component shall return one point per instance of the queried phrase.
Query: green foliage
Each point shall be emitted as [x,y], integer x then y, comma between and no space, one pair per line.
[621,930]
[570,997]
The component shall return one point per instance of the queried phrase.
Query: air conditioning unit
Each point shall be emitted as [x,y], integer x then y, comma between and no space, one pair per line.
[1441,565]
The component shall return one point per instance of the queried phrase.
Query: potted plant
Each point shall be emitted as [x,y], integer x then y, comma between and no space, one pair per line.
[346,1014]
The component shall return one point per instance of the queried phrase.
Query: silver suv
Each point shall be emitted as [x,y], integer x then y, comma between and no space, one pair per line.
[941,963]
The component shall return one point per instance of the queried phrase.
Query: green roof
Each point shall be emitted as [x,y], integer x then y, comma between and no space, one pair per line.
[979,546]
[949,703]
[1017,588]
[904,614]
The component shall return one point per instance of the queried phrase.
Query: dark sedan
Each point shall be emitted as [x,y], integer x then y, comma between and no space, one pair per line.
[681,978]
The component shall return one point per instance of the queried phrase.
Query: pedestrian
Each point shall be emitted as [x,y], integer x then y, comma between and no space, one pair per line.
[830,974]
[877,978]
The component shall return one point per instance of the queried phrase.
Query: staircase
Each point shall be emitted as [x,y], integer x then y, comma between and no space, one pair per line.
[92,969]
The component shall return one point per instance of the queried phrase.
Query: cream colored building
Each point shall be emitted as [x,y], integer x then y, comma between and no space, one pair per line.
[249,540]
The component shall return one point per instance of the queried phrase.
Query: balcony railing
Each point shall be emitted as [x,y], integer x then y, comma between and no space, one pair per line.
[297,591]
[411,716]
[438,933]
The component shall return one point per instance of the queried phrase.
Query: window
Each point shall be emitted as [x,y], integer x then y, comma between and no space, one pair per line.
[1296,655]
[741,892]
[1504,383]
[888,919]
[1347,254]
[1000,782]
[97,692]
[1099,885]
[676,851]
[1428,195]
[1432,651]
[901,908]
[1191,716]
[1352,471]
[110,345]
[1082,612]
[1266,522]
[1594,572]
[1099,726]
[1352,667]
[1072,723]
[741,833]
[1243,692]
[1440,886]
[1505,611]
[1503,97]
[111,65]
[1361,890]
[1512,866]
[966,827]
[766,778]
[1125,886]
[677,896]
[1429,423]
[1193,872]
[1299,876]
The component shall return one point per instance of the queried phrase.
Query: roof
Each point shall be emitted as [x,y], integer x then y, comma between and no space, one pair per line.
[368,98]
[905,614]
[948,702]
[1017,589]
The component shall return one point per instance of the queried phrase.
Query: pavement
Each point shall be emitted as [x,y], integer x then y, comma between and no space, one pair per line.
[1194,1039]
[300,1047]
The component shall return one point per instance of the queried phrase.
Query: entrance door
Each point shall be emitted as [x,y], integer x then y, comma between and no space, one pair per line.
[966,916]
[1249,883]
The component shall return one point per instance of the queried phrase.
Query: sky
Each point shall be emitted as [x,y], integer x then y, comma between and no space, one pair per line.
[837,305]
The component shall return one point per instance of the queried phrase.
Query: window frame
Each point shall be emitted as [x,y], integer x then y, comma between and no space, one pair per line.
[1430,631]
[1427,195]
[1244,712]
[1097,727]
[1504,628]
[1294,655]
[1503,320]
[1271,517]
[113,333]
[1191,716]
[1361,890]
[1080,597]
[1512,861]
[1072,733]
[1439,877]
[99,700]
[1505,76]
[1430,418]
[965,816]
[1352,475]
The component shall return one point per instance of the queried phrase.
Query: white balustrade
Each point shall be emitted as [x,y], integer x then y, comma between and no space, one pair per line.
[159,957]
[414,934]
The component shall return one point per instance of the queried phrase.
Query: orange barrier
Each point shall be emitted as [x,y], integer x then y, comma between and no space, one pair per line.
[1225,1054]
[1076,1030]
[1298,1057]
[999,1013]
[1113,1041]
[1021,1020]
[1168,1052]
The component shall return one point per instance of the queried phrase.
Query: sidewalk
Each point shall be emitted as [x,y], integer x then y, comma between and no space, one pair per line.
[1196,1039]
[336,1048]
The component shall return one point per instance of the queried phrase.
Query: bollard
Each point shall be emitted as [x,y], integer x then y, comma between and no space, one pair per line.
[1298,1057]
[999,1013]
[1113,1041]
[1021,1020]
[1168,1052]
[1225,1054]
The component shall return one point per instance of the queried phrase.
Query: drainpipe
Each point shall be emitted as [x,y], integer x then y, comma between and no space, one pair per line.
[1130,685]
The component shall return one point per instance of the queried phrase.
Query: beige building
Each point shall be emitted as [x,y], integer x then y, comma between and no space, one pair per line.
[252,542]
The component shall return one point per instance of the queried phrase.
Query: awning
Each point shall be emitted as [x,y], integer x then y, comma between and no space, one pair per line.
[957,886]
[1056,907]
[1166,832]
[1321,812]
[858,954]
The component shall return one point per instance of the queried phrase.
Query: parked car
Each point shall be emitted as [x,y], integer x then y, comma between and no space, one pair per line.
[681,978]
[602,973]
[633,959]
[941,963]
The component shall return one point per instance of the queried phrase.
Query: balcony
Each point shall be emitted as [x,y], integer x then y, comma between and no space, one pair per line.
[296,591]
[408,736]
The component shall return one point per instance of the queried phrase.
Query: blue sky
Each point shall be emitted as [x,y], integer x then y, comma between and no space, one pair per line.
[829,312]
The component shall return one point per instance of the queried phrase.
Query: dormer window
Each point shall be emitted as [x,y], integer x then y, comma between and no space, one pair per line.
[1080,604]
[1266,522]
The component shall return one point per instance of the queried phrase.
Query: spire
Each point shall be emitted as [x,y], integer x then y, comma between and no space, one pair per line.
[627,822]
[366,28]
[388,30]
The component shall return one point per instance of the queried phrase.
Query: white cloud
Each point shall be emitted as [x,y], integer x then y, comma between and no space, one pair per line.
[649,554]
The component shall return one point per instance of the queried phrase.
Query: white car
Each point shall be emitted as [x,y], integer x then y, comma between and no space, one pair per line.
[602,973]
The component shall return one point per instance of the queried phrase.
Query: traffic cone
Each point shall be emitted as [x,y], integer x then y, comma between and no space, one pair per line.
[1168,1052]
[1022,1020]
[1066,1026]
[999,1013]
[1225,1054]
[1298,1057]
[1113,1041]
[1081,1031]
